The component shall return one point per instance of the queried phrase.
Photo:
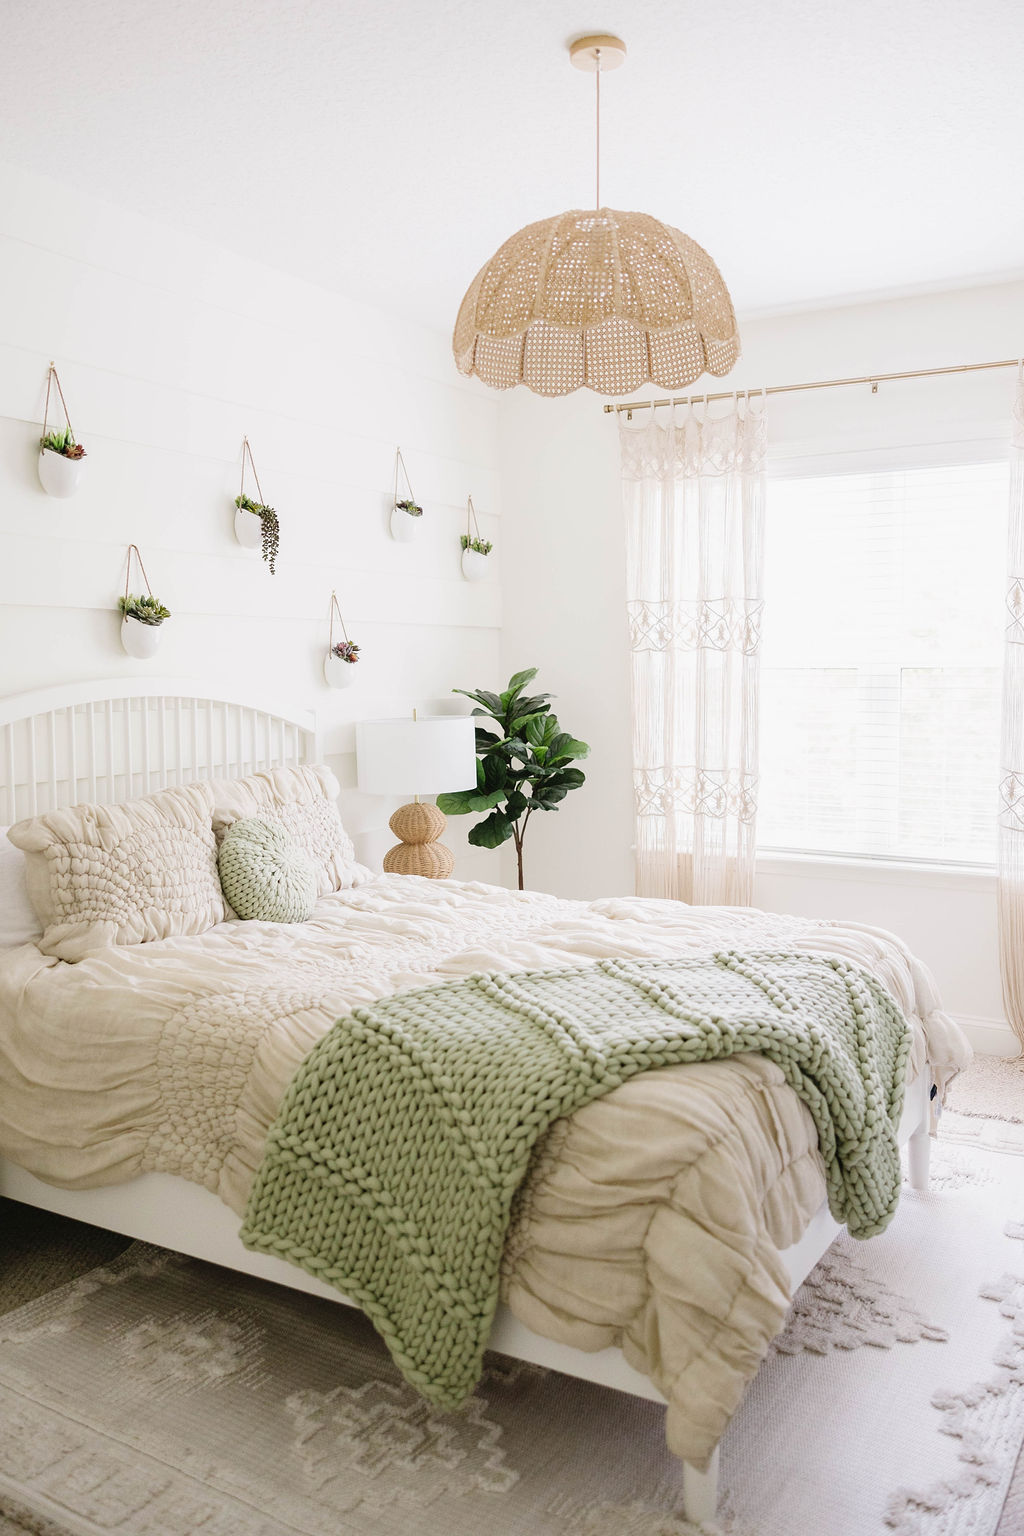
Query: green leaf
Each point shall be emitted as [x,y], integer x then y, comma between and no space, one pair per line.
[572,778]
[519,680]
[540,730]
[490,701]
[520,721]
[458,803]
[537,704]
[492,772]
[547,796]
[516,804]
[486,802]
[566,747]
[494,830]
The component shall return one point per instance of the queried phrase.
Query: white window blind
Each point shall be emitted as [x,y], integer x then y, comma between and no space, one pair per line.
[882,664]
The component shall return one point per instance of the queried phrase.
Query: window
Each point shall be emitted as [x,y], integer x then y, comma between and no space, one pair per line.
[881,666]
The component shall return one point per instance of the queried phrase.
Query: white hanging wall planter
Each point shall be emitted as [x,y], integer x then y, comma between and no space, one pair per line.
[404,527]
[142,617]
[475,548]
[59,475]
[140,640]
[61,457]
[474,565]
[256,524]
[342,655]
[406,513]
[338,673]
[248,528]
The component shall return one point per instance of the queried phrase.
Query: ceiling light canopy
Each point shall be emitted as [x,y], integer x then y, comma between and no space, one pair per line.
[597,299]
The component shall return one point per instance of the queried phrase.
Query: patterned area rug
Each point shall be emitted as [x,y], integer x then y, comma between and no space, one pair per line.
[158,1396]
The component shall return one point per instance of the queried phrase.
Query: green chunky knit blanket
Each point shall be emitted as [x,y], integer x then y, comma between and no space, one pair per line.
[399,1145]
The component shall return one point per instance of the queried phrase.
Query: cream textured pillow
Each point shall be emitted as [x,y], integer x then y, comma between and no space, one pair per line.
[265,875]
[302,802]
[123,874]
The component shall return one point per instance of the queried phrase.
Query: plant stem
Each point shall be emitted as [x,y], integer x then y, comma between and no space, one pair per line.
[518,834]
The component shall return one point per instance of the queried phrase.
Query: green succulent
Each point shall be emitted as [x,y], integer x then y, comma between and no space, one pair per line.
[521,768]
[412,507]
[62,442]
[148,609]
[478,545]
[270,528]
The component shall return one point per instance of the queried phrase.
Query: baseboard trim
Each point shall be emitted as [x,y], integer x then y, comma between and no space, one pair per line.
[989,1037]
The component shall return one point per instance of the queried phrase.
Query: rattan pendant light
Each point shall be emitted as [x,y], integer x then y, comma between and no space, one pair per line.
[596,299]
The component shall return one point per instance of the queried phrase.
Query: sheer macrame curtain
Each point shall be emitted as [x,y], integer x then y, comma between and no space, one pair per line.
[694,504]
[1011,787]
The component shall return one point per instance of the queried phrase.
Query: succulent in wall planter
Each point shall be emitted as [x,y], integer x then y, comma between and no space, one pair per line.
[256,523]
[406,514]
[257,527]
[339,663]
[474,557]
[141,618]
[475,548]
[404,524]
[342,655]
[60,456]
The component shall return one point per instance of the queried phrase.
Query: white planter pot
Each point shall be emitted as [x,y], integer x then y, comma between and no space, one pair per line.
[403,527]
[338,673]
[59,476]
[248,529]
[140,640]
[474,565]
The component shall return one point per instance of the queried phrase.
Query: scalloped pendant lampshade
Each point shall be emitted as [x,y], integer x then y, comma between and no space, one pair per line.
[596,299]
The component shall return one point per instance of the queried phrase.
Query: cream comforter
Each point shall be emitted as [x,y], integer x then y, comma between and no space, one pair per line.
[652,1219]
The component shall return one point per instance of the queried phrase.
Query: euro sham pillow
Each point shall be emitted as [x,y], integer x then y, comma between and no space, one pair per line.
[302,802]
[18,921]
[100,875]
[265,875]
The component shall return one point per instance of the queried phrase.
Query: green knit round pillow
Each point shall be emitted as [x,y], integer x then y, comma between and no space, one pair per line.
[264,874]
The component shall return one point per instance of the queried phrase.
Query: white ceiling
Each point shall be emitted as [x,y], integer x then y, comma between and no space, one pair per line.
[817,150]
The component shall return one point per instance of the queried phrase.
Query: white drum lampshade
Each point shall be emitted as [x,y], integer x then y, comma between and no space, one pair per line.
[420,757]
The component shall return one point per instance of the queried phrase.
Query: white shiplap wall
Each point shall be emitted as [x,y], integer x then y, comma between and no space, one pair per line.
[170,350]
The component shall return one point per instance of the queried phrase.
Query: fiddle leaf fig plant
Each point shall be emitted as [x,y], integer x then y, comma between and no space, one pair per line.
[523,765]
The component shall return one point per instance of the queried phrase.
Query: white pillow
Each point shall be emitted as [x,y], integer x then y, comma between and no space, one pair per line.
[123,874]
[302,801]
[18,921]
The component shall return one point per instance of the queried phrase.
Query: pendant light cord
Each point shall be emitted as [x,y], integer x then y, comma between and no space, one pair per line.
[597,135]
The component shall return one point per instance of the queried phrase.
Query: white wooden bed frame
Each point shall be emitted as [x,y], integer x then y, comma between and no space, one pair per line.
[110,740]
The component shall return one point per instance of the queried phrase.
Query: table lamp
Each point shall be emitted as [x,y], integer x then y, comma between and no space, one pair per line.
[432,756]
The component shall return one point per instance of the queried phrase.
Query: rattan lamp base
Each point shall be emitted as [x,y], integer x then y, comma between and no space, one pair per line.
[419,826]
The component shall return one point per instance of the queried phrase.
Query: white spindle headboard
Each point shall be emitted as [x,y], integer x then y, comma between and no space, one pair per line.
[108,741]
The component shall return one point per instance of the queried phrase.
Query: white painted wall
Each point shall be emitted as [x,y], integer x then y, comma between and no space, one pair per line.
[170,350]
[564,594]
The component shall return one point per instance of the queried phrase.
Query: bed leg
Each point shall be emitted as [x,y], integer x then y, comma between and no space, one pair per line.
[700,1491]
[919,1149]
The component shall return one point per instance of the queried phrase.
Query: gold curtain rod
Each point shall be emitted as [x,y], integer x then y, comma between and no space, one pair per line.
[874,379]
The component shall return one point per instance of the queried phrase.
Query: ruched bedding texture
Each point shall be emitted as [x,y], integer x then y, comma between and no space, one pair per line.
[653,1218]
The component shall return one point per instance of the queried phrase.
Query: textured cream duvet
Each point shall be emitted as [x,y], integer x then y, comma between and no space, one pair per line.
[652,1219]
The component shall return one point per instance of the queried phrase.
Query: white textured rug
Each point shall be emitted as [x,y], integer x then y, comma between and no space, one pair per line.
[163,1397]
